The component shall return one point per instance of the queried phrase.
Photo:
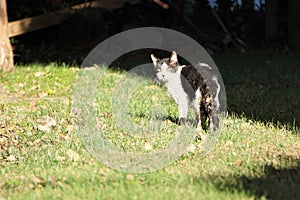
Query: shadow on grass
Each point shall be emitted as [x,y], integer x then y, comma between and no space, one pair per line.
[274,184]
[263,86]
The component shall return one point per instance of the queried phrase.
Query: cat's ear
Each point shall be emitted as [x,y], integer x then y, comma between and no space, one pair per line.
[154,60]
[173,59]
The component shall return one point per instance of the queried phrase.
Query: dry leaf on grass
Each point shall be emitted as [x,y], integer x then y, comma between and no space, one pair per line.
[11,158]
[32,105]
[129,177]
[60,158]
[148,146]
[37,180]
[47,123]
[52,180]
[73,155]
[43,94]
[41,74]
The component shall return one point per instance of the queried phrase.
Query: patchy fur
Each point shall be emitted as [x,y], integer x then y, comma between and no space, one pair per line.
[187,86]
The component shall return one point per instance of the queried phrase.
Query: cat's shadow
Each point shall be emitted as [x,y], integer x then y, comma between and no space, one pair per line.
[175,120]
[189,122]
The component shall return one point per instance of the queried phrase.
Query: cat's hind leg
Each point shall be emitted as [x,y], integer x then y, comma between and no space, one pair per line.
[215,105]
[196,105]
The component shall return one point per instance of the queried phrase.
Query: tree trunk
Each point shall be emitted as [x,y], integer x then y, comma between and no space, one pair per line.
[6,54]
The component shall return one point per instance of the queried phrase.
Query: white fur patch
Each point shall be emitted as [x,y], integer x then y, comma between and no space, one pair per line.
[175,89]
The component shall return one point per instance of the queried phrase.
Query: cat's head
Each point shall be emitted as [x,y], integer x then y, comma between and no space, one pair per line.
[165,68]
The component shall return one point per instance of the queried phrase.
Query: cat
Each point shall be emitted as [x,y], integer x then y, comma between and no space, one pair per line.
[187,86]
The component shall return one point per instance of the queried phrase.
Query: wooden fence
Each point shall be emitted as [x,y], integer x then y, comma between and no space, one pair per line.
[52,18]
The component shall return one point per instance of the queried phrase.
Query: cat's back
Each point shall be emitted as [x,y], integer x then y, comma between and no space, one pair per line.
[191,75]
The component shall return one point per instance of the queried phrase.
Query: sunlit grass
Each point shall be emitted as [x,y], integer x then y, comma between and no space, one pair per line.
[42,157]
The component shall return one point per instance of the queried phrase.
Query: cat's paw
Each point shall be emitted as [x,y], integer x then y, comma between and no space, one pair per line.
[182,121]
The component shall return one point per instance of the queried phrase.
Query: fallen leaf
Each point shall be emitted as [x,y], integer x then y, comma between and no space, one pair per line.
[154,98]
[37,180]
[47,123]
[130,177]
[44,128]
[60,158]
[70,128]
[2,184]
[148,146]
[39,74]
[11,158]
[32,105]
[238,162]
[29,133]
[64,179]
[102,172]
[43,94]
[37,141]
[24,151]
[66,101]
[31,186]
[106,115]
[73,155]
[52,179]
[50,121]
[3,139]
[34,88]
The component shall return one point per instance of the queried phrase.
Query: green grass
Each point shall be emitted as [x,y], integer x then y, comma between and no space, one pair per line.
[263,85]
[256,157]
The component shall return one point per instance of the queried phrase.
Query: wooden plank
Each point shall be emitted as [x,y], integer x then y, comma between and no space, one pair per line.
[35,23]
[52,18]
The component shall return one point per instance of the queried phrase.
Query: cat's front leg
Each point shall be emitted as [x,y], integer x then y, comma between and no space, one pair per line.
[183,110]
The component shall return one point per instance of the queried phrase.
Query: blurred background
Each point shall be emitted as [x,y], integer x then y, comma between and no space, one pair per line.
[218,25]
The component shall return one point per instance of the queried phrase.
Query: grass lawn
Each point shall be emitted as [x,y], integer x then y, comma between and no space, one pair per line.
[257,155]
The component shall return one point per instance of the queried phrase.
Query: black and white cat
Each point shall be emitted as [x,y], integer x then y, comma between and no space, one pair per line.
[188,87]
